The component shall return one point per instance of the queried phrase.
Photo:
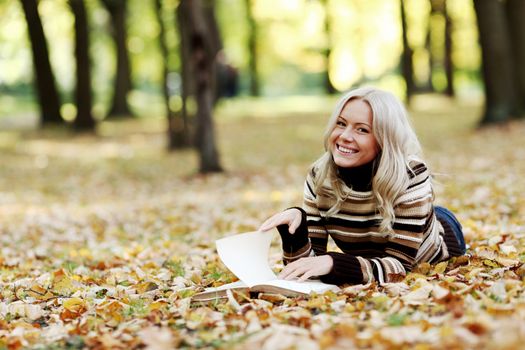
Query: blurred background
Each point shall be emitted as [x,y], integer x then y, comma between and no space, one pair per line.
[78,65]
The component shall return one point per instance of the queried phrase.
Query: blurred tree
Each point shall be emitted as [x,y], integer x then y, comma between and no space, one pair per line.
[202,48]
[329,87]
[117,10]
[44,77]
[179,139]
[177,129]
[430,44]
[220,63]
[515,14]
[498,65]
[440,50]
[448,63]
[252,49]
[83,96]
[407,69]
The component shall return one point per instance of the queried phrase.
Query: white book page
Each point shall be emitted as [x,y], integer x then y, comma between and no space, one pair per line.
[305,287]
[246,256]
[238,284]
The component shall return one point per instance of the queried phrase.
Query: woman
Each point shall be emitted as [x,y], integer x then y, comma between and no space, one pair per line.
[372,194]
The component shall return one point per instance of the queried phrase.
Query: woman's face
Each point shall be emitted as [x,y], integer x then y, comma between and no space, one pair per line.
[352,142]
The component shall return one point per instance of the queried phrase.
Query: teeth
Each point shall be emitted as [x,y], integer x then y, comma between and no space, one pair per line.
[345,150]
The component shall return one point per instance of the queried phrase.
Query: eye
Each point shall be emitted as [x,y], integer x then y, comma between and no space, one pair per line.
[363,130]
[341,123]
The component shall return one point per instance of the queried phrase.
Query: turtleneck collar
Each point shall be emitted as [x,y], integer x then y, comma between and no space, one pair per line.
[358,178]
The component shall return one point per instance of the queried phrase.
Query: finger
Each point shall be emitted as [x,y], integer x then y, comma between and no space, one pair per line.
[289,269]
[295,224]
[268,224]
[285,271]
[306,275]
[265,226]
[297,271]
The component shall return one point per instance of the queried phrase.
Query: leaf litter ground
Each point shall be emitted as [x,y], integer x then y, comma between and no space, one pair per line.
[104,240]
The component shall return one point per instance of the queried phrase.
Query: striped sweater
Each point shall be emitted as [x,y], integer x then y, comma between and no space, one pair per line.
[369,255]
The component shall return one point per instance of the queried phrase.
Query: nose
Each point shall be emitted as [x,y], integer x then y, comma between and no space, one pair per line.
[347,135]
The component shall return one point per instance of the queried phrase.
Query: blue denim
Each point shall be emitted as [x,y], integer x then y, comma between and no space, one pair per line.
[443,214]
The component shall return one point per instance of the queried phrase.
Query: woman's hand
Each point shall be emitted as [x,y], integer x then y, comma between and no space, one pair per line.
[305,268]
[291,217]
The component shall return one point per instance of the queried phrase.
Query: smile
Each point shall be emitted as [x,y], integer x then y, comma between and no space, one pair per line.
[345,150]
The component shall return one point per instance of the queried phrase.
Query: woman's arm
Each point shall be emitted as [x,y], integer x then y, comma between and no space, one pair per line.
[302,229]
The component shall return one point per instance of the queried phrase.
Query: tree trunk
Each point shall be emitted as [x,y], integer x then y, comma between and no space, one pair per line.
[406,57]
[214,36]
[84,120]
[44,78]
[180,136]
[252,50]
[202,54]
[448,63]
[433,61]
[497,60]
[329,87]
[516,13]
[117,10]
[174,139]
[214,33]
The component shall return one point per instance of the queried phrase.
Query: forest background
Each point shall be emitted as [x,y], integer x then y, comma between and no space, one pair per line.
[134,133]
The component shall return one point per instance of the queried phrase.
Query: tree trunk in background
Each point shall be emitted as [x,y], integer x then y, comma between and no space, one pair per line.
[176,129]
[433,61]
[117,10]
[216,46]
[84,120]
[516,14]
[44,78]
[214,34]
[329,87]
[448,63]
[406,57]
[202,57]
[181,138]
[252,50]
[497,63]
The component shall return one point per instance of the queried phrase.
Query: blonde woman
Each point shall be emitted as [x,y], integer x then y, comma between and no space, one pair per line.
[372,194]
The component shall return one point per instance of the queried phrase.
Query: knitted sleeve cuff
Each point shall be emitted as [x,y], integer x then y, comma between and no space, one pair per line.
[299,239]
[346,269]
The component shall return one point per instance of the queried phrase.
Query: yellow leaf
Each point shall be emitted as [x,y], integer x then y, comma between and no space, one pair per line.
[423,268]
[145,287]
[490,263]
[39,293]
[75,305]
[441,267]
[156,305]
[64,286]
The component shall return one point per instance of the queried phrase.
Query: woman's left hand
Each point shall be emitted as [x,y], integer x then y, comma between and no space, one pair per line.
[305,268]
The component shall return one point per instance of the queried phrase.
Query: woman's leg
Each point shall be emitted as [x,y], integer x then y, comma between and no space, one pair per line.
[443,214]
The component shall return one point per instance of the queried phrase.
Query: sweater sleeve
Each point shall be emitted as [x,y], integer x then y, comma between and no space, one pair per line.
[311,237]
[317,232]
[295,245]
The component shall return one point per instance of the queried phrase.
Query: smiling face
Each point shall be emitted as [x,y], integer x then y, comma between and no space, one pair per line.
[352,142]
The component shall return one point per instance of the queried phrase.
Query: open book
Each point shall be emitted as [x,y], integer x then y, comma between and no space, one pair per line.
[246,256]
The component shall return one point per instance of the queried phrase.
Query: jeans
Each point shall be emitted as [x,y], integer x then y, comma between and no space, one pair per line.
[443,214]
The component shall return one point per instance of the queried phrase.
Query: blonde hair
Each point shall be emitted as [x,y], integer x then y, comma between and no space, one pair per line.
[398,146]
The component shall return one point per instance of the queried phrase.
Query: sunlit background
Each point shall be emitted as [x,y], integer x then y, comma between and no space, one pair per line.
[364,39]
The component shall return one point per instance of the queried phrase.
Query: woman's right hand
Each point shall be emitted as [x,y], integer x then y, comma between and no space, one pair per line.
[291,217]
